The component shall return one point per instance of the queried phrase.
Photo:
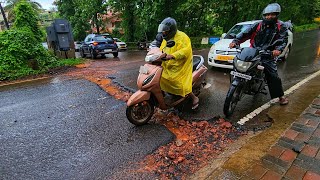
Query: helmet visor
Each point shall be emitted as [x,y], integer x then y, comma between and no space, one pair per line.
[163,28]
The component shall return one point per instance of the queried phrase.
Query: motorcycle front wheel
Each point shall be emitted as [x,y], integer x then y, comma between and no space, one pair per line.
[233,96]
[140,114]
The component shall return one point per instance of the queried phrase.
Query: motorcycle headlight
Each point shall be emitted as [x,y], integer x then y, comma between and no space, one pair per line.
[242,66]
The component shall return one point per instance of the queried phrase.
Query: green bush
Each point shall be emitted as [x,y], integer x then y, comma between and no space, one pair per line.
[306,27]
[21,54]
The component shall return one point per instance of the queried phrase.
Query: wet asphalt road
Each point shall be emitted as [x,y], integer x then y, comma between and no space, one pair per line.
[71,129]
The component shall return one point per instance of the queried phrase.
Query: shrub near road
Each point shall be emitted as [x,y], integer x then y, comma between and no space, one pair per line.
[21,55]
[21,52]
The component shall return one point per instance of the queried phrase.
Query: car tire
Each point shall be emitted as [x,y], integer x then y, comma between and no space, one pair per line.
[115,54]
[82,53]
[93,55]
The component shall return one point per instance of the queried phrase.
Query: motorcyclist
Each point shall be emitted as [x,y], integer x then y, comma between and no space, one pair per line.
[176,77]
[261,35]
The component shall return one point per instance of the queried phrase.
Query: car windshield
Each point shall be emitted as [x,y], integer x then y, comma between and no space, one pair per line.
[99,38]
[233,32]
[108,38]
[118,40]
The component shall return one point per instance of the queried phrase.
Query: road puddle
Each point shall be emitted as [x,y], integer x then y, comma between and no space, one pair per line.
[98,75]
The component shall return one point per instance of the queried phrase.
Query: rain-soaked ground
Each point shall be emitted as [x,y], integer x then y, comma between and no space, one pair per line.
[199,136]
[195,141]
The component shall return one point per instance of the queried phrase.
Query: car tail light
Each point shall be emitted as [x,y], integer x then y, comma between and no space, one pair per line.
[95,43]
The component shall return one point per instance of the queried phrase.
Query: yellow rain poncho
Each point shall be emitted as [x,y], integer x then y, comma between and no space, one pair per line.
[177,73]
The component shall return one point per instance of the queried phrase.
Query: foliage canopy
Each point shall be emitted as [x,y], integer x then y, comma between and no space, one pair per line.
[140,18]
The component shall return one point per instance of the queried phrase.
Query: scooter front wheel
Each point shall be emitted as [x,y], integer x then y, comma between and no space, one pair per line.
[140,114]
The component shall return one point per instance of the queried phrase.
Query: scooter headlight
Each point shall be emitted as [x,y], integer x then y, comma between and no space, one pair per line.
[241,66]
[151,58]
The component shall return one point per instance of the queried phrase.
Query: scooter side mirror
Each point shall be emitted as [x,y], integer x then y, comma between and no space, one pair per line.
[170,43]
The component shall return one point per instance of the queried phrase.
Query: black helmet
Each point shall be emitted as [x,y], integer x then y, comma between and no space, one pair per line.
[271,8]
[168,28]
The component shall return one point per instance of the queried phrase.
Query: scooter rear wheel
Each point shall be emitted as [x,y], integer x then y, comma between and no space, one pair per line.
[140,114]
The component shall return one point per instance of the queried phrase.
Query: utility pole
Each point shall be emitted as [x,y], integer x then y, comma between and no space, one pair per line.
[4,16]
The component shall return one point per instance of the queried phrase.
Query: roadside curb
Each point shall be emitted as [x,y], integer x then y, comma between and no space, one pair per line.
[257,111]
[23,81]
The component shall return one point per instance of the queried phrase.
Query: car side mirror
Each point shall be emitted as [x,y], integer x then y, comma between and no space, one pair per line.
[223,35]
[170,43]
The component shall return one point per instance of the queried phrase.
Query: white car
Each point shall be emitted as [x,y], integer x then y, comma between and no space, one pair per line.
[220,55]
[121,45]
[77,45]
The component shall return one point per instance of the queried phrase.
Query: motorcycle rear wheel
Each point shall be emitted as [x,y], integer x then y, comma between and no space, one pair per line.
[232,98]
[140,114]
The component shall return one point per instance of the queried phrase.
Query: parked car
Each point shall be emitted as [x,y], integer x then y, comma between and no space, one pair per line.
[77,45]
[220,55]
[121,45]
[45,45]
[95,44]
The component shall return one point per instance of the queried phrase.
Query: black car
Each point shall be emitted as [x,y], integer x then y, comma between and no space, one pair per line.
[95,44]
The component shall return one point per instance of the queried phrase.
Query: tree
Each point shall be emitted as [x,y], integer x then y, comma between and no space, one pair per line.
[12,3]
[200,18]
[27,17]
[80,13]
[140,18]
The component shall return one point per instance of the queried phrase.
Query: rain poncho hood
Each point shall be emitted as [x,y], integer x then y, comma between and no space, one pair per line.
[177,73]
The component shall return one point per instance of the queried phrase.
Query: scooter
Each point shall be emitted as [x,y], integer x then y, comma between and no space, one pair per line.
[140,106]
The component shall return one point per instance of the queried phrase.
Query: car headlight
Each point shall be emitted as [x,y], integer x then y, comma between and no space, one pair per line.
[212,49]
[242,66]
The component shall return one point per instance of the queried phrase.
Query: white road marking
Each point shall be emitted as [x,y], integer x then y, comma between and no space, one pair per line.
[257,111]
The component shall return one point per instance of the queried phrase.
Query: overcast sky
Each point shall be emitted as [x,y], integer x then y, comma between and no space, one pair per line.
[46,4]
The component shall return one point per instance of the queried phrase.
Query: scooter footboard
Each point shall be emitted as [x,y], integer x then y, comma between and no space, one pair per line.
[138,97]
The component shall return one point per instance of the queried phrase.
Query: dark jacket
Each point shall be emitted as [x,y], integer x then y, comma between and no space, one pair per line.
[260,38]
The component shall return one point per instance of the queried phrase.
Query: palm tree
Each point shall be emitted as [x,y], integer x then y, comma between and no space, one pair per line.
[12,3]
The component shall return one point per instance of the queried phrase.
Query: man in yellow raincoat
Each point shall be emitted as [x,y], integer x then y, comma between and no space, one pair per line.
[177,70]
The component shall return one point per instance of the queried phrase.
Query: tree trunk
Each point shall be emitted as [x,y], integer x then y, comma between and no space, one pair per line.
[4,16]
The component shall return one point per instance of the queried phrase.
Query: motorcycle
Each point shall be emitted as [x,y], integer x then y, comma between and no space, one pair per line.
[248,75]
[140,106]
